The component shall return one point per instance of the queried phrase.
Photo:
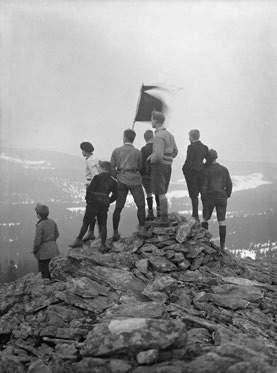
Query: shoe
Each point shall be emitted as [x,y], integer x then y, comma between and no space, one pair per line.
[116,236]
[89,237]
[103,249]
[142,232]
[150,215]
[161,222]
[77,243]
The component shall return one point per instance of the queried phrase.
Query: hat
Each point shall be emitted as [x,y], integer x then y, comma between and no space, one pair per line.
[42,210]
[212,155]
[105,165]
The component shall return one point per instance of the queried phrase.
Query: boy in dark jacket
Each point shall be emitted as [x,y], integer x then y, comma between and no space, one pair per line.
[193,168]
[98,201]
[146,151]
[216,189]
[45,246]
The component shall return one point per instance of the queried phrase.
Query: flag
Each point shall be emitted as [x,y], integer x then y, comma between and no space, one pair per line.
[147,103]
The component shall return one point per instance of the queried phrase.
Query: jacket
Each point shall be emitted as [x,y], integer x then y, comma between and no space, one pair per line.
[196,153]
[126,160]
[100,188]
[164,147]
[45,246]
[217,182]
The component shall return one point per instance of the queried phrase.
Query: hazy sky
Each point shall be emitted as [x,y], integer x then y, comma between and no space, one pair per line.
[71,71]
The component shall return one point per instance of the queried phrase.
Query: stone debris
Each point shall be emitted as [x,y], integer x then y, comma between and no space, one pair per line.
[169,303]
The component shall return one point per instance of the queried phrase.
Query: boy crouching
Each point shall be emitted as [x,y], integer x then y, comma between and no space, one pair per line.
[98,201]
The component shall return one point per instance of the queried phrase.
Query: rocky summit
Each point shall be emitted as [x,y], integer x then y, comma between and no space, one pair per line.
[170,303]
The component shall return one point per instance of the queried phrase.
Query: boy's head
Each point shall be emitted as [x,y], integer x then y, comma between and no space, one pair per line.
[129,136]
[212,155]
[87,148]
[42,210]
[157,118]
[194,135]
[105,166]
[148,135]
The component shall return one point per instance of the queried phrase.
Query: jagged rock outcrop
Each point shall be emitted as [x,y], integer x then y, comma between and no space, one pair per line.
[169,303]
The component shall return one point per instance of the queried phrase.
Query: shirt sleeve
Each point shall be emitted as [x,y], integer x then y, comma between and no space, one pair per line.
[205,184]
[38,237]
[57,233]
[175,149]
[158,150]
[113,160]
[229,184]
[91,187]
[93,167]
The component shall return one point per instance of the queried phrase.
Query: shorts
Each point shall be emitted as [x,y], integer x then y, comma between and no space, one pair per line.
[219,204]
[194,180]
[96,209]
[160,178]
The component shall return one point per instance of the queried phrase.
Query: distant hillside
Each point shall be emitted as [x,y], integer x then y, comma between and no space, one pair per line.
[33,175]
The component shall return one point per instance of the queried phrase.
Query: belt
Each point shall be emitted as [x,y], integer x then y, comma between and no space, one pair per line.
[100,194]
[128,169]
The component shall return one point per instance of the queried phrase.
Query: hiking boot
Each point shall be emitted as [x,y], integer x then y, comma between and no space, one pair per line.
[205,225]
[161,222]
[89,237]
[116,236]
[142,232]
[77,243]
[103,249]
[150,215]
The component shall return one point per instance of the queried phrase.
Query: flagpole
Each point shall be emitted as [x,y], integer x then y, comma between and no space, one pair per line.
[134,122]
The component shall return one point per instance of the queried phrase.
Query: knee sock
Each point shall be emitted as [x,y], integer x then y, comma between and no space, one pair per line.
[164,207]
[194,202]
[222,236]
[157,205]
[116,219]
[141,215]
[149,203]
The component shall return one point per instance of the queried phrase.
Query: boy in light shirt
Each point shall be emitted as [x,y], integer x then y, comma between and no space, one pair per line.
[91,170]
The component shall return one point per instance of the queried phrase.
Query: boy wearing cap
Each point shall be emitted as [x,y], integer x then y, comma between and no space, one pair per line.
[98,201]
[216,189]
[45,246]
[146,151]
[91,170]
[164,151]
[193,168]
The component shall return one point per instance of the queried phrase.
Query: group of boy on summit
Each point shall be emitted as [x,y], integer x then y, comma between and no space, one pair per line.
[143,172]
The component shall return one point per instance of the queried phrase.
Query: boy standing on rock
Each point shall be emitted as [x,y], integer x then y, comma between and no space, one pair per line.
[164,151]
[216,189]
[90,171]
[45,247]
[126,161]
[193,168]
[146,151]
[98,201]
